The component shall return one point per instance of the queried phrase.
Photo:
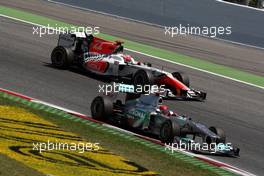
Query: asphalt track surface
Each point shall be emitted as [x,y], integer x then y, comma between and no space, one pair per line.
[243,58]
[238,108]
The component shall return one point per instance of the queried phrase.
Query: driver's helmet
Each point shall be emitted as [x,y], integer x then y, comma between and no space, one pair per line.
[164,109]
[128,59]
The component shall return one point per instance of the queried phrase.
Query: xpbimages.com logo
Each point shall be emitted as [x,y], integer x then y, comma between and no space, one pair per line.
[80,147]
[212,31]
[51,30]
[193,146]
[119,87]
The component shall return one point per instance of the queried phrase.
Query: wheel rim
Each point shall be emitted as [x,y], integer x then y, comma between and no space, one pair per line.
[165,132]
[57,58]
[97,109]
[139,80]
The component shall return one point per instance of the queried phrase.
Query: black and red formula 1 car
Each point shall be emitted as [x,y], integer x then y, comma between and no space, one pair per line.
[106,58]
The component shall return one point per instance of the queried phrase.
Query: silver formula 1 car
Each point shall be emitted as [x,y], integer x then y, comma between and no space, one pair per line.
[147,114]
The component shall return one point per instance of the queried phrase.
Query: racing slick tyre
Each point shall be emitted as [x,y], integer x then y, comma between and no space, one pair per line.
[142,78]
[62,57]
[220,132]
[101,108]
[182,77]
[169,129]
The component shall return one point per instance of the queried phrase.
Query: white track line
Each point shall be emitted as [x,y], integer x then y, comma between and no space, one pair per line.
[104,13]
[58,107]
[24,21]
[151,24]
[239,172]
[159,58]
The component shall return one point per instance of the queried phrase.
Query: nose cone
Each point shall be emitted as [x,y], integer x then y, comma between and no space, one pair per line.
[173,83]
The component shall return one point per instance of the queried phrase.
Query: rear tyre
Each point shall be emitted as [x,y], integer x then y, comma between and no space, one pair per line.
[101,108]
[220,132]
[62,57]
[169,129]
[182,77]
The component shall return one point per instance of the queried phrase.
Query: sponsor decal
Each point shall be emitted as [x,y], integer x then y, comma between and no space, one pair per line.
[138,113]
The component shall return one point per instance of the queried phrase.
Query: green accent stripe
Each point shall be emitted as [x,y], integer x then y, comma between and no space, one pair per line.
[168,55]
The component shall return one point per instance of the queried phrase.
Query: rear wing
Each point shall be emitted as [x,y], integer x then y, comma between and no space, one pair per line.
[102,46]
[94,44]
[68,39]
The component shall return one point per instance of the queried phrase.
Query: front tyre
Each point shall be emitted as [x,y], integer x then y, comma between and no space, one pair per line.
[219,132]
[62,57]
[169,129]
[101,108]
[182,77]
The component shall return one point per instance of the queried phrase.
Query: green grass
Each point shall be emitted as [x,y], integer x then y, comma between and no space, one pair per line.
[165,54]
[134,149]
